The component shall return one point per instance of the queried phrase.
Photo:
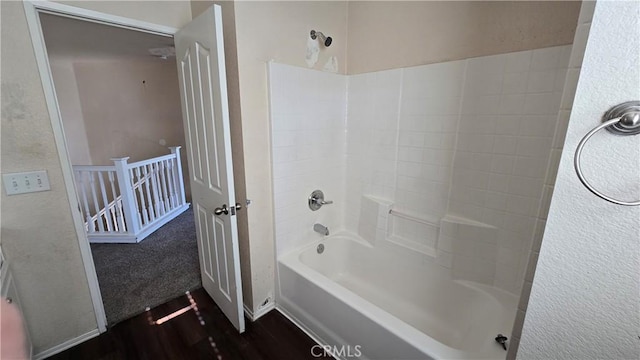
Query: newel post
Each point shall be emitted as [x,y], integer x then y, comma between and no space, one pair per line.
[176,151]
[128,198]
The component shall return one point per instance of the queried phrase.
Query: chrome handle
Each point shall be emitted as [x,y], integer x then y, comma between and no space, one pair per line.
[316,200]
[238,206]
[223,210]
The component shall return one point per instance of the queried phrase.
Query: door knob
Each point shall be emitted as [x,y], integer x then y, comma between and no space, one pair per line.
[223,210]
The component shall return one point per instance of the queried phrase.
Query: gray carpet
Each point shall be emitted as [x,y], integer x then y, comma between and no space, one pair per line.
[161,267]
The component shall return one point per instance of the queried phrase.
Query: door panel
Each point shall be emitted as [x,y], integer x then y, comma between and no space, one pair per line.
[203,89]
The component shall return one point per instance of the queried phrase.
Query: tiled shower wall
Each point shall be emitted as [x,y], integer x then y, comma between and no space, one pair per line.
[308,111]
[472,139]
[466,138]
[508,118]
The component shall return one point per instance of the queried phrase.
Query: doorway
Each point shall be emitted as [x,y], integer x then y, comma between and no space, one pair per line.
[118,94]
[203,98]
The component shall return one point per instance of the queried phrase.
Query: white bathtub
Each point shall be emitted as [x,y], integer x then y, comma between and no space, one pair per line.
[391,305]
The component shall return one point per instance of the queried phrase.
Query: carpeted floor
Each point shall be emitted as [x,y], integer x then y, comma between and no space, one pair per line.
[161,267]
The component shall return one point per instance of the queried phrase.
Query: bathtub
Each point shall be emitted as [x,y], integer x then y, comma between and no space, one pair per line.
[375,302]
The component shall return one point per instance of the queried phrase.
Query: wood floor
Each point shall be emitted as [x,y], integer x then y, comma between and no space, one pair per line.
[187,337]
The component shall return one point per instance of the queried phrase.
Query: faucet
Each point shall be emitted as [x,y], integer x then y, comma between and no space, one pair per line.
[321,229]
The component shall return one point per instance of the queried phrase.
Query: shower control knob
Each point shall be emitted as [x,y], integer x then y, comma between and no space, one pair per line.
[316,200]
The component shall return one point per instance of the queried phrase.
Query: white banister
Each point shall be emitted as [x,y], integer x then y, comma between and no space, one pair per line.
[125,184]
[175,150]
[147,195]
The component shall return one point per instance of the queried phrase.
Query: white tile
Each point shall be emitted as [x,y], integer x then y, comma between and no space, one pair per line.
[545,59]
[541,104]
[515,83]
[538,125]
[518,62]
[530,166]
[541,81]
[507,125]
[526,186]
[496,200]
[498,182]
[505,145]
[534,146]
[502,164]
[512,104]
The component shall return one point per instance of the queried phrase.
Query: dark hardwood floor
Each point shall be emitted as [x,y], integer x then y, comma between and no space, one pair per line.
[202,332]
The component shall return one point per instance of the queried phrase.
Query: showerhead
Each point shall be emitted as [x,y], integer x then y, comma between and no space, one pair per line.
[326,40]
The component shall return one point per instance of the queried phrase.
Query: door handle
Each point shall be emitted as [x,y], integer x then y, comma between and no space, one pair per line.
[223,210]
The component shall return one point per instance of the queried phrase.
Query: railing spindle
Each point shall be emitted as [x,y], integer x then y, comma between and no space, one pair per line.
[103,192]
[162,166]
[157,202]
[87,213]
[150,208]
[179,179]
[171,182]
[163,180]
[143,204]
[117,208]
[96,205]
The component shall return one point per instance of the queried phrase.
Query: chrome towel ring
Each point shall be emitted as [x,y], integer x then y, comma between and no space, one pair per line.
[622,119]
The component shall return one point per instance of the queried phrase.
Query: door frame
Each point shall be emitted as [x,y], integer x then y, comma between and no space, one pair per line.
[32,13]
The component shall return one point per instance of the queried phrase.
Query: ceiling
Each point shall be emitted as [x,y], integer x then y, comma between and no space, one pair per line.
[66,37]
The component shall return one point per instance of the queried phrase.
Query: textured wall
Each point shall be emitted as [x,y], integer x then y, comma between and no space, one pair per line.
[38,235]
[392,34]
[584,300]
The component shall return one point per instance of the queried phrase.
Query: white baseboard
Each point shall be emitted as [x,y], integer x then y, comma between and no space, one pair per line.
[66,345]
[258,314]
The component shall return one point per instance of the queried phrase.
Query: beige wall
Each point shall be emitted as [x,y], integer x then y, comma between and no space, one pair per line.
[71,111]
[127,107]
[168,13]
[392,34]
[37,232]
[124,116]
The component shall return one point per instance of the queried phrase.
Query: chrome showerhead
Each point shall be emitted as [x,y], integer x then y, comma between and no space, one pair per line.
[326,40]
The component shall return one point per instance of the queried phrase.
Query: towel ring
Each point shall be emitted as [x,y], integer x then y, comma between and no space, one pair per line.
[622,119]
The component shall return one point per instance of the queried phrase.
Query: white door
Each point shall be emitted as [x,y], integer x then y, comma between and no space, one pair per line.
[203,89]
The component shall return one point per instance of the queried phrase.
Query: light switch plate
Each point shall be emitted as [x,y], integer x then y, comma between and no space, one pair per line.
[26,182]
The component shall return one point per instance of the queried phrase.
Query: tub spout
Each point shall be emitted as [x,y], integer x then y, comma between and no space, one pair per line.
[321,229]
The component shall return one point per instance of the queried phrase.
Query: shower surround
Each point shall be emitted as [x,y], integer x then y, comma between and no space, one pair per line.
[442,163]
